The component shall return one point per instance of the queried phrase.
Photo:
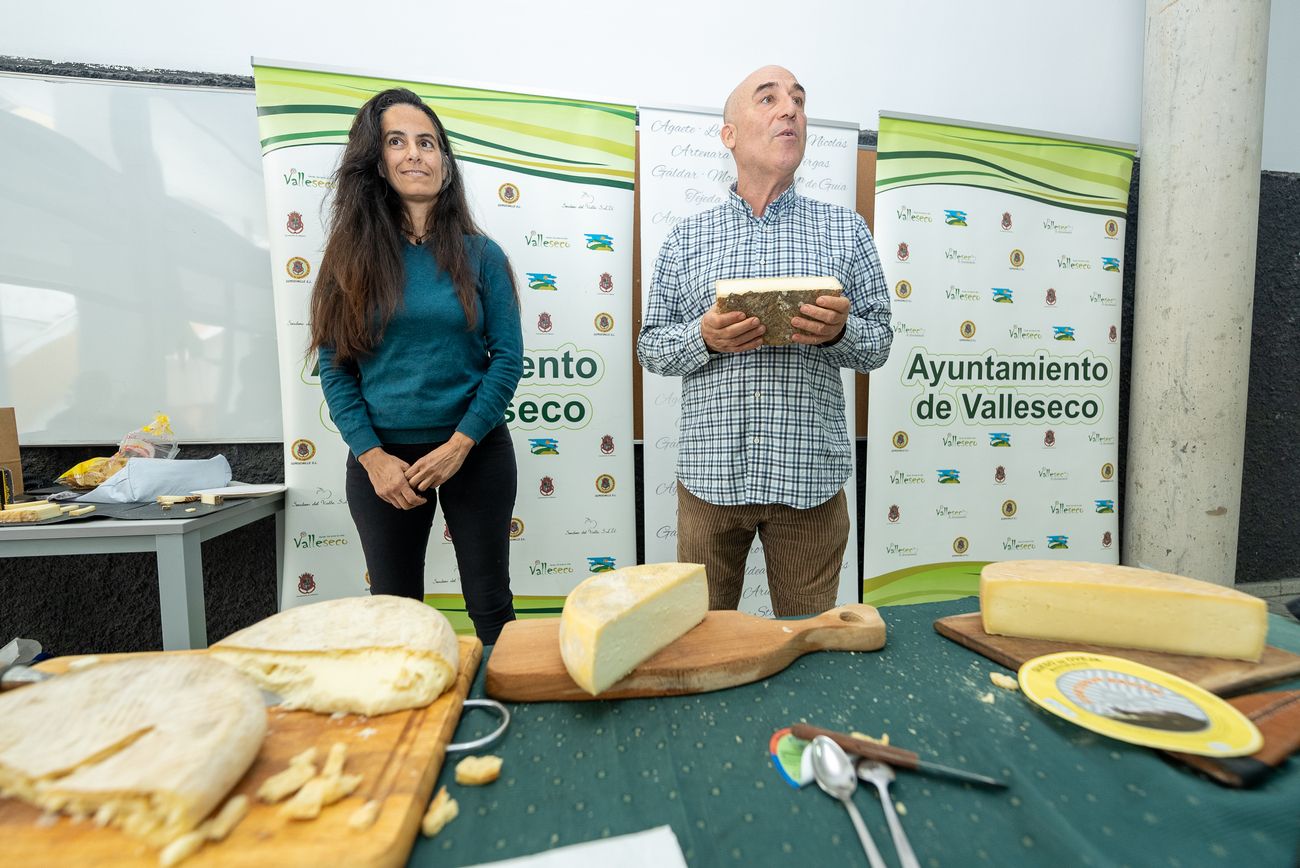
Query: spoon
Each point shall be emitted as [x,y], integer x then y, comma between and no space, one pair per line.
[836,777]
[882,776]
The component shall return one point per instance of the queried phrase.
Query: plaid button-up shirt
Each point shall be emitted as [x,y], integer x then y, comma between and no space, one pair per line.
[766,425]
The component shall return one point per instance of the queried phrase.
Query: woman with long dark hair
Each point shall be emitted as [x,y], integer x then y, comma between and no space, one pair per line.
[415,318]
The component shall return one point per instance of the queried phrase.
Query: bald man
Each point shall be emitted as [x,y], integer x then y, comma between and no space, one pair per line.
[763,446]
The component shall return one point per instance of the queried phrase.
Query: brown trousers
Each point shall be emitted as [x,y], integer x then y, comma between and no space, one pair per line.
[804,549]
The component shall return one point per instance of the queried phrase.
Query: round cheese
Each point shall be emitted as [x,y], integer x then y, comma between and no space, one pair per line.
[362,655]
[149,745]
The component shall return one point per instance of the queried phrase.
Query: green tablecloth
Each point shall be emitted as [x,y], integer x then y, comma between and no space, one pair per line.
[579,771]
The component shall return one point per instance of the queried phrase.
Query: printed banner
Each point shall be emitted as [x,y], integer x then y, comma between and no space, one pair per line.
[685,169]
[992,428]
[550,180]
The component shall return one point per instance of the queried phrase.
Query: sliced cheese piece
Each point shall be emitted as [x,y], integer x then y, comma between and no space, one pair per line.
[149,746]
[1101,604]
[614,621]
[362,655]
[16,514]
[774,300]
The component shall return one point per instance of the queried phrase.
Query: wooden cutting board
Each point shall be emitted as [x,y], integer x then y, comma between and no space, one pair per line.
[399,754]
[726,649]
[1223,677]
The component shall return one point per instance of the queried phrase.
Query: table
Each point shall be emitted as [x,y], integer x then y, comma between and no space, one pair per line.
[579,771]
[176,543]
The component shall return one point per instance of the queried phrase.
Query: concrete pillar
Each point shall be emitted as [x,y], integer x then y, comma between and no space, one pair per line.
[1198,216]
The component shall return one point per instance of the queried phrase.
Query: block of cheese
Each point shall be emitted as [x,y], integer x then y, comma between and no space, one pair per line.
[616,620]
[1125,607]
[774,300]
[149,745]
[363,655]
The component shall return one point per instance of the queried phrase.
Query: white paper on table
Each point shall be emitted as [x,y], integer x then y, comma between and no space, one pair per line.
[653,848]
[244,489]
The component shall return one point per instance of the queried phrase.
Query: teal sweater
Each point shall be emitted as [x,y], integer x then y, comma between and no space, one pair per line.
[431,377]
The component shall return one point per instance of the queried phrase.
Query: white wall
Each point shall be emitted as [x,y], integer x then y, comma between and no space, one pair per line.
[1067,67]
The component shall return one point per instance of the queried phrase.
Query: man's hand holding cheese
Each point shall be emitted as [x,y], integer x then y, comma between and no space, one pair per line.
[763,444]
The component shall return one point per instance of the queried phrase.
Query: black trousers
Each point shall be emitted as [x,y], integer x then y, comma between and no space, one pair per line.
[477,503]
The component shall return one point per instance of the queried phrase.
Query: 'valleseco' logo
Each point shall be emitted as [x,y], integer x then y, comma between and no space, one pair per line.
[1107,471]
[902,251]
[294,225]
[605,484]
[1058,541]
[547,487]
[298,268]
[601,563]
[1000,439]
[1003,295]
[960,545]
[949,476]
[1017,258]
[303,450]
[607,444]
[899,440]
[1008,508]
[1105,506]
[508,193]
[544,445]
[604,323]
[541,280]
[306,584]
[516,527]
[600,242]
[903,289]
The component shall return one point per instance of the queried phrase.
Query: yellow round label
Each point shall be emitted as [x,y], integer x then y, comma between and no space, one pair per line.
[1137,704]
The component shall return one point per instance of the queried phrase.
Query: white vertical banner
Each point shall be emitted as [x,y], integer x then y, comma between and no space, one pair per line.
[550,180]
[685,169]
[993,426]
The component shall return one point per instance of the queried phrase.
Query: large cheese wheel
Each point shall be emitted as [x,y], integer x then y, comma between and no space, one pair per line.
[364,655]
[616,620]
[150,745]
[1101,604]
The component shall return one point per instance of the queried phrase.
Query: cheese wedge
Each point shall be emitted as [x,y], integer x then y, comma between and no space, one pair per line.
[774,300]
[362,655]
[614,621]
[149,745]
[1101,604]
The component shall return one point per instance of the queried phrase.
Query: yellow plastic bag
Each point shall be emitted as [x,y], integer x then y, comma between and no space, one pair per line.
[155,440]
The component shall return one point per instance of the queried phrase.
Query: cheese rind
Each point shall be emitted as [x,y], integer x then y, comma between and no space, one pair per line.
[1125,607]
[614,621]
[150,745]
[364,655]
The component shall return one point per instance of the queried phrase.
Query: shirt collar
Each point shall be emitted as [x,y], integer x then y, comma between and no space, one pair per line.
[774,210]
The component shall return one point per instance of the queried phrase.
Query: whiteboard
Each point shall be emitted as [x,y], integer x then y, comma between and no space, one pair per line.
[134,266]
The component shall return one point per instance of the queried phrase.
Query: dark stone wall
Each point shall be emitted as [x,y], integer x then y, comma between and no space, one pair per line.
[107,603]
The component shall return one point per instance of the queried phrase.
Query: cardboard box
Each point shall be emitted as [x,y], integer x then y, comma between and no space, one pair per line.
[9,457]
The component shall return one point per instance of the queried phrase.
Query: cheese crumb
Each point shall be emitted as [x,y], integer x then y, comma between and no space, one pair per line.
[364,817]
[478,770]
[181,849]
[441,811]
[987,698]
[1006,682]
[901,809]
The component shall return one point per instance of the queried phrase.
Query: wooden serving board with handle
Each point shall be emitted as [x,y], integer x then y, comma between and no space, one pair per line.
[399,755]
[1222,677]
[726,649]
